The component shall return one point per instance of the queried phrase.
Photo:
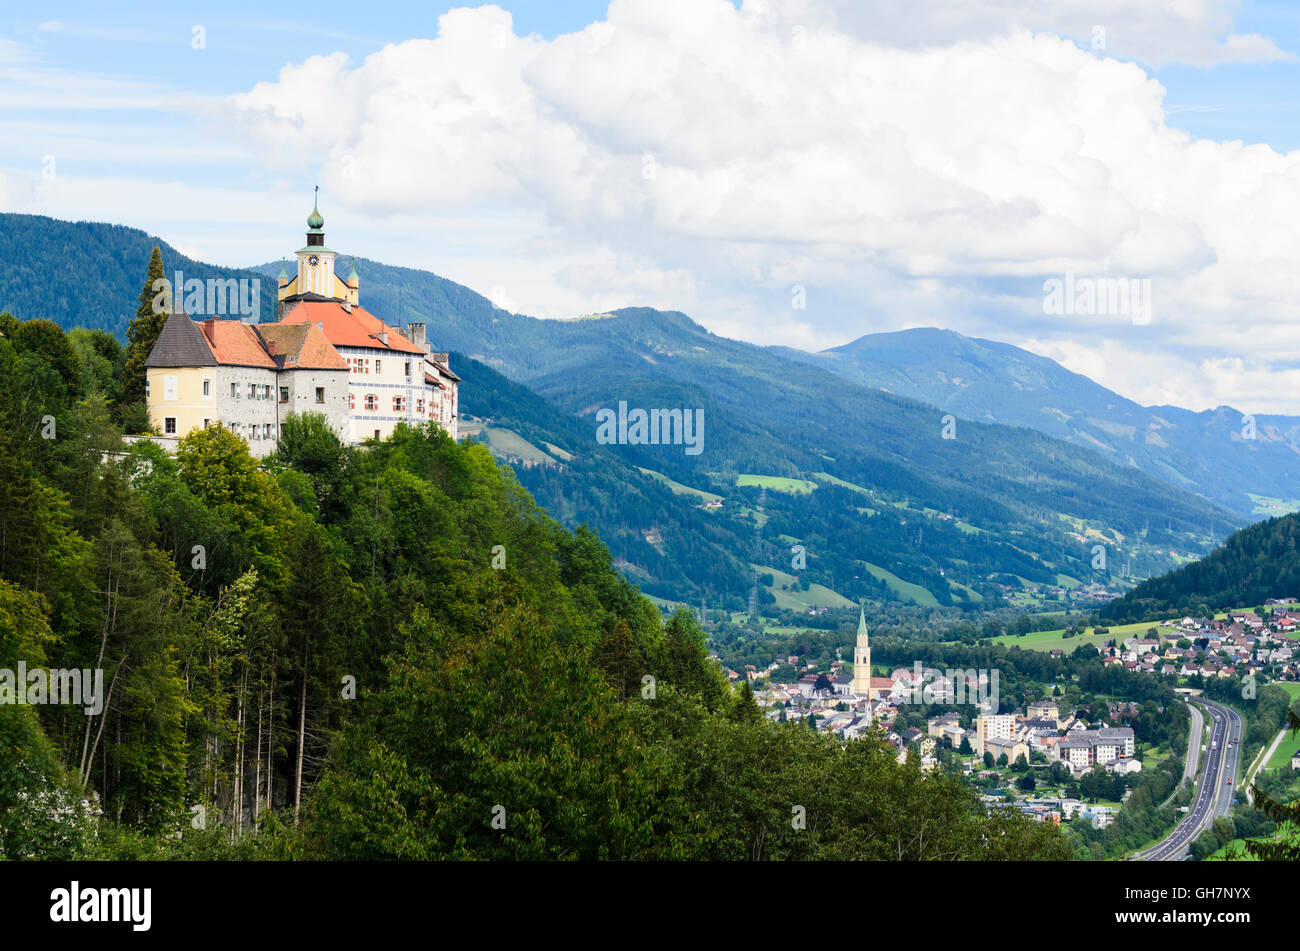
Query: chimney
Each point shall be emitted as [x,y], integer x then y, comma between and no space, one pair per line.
[417,334]
[443,358]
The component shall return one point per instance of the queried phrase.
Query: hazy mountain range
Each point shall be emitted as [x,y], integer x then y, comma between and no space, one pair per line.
[986,380]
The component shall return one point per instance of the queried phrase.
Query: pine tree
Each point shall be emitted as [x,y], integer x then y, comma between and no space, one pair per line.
[144,330]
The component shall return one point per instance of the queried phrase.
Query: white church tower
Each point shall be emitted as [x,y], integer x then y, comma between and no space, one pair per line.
[862,659]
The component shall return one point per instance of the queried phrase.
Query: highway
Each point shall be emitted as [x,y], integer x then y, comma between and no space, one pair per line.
[1215,794]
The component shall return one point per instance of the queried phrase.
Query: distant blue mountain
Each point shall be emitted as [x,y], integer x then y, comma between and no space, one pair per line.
[998,383]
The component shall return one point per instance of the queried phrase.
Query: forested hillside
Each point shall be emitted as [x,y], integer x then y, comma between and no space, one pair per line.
[100,292]
[380,652]
[1255,564]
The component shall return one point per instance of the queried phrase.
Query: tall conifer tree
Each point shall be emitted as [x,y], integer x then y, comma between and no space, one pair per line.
[144,330]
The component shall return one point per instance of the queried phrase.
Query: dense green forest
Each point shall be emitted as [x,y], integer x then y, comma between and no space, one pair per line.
[1255,564]
[387,651]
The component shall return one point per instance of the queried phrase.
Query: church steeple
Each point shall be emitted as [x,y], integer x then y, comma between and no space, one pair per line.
[315,261]
[316,224]
[862,658]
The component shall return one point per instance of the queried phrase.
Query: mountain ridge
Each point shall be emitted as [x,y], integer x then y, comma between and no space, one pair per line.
[1012,386]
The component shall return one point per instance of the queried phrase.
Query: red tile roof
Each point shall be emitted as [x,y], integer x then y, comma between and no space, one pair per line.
[300,346]
[355,328]
[235,343]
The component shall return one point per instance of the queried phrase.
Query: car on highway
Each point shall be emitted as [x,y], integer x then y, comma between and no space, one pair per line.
[1229,780]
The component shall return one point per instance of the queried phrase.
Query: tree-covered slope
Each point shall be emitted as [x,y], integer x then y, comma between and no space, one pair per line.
[376,653]
[1252,565]
[88,274]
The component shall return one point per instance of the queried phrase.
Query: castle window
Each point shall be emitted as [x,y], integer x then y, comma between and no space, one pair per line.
[378,364]
[252,391]
[320,394]
[169,425]
[284,394]
[408,367]
[267,431]
[399,404]
[371,402]
[207,387]
[352,402]
[234,391]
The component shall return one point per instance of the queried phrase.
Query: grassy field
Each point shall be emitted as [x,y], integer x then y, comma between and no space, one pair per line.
[660,602]
[777,483]
[786,630]
[511,447]
[678,488]
[816,596]
[1268,506]
[904,589]
[1151,757]
[971,593]
[1239,849]
[1281,758]
[1049,640]
[835,480]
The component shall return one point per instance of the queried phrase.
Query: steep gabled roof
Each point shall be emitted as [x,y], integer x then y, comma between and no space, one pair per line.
[235,343]
[181,344]
[300,346]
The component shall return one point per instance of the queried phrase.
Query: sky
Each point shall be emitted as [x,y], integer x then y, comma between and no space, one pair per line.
[799,172]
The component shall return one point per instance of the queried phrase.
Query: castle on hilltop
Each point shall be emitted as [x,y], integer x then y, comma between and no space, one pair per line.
[325,353]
